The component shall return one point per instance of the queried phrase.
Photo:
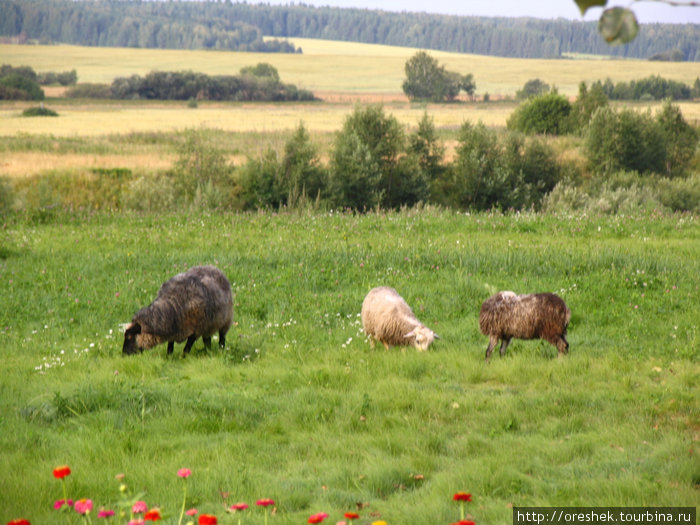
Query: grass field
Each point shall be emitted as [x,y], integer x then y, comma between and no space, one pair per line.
[299,409]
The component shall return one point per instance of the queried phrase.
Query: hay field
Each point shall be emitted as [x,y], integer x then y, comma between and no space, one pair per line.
[342,66]
[340,73]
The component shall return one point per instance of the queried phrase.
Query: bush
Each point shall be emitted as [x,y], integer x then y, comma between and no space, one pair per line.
[625,193]
[150,193]
[201,165]
[492,171]
[21,83]
[680,194]
[99,91]
[544,114]
[624,140]
[261,183]
[40,111]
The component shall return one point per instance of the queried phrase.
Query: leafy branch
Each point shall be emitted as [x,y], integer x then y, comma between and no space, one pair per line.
[618,25]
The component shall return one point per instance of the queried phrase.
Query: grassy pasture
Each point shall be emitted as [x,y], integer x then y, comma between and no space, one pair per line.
[298,408]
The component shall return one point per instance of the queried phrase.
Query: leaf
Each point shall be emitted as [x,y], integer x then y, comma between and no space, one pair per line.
[584,5]
[618,25]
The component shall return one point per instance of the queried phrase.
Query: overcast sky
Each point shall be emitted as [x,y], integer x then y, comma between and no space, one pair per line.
[647,11]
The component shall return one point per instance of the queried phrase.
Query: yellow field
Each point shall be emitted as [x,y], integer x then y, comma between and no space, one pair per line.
[341,73]
[342,66]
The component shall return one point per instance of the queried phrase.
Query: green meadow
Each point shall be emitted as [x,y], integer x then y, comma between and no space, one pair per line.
[299,409]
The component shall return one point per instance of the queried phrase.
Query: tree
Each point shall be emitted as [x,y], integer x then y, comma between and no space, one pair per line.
[426,79]
[680,137]
[368,166]
[301,167]
[618,25]
[532,88]
[586,104]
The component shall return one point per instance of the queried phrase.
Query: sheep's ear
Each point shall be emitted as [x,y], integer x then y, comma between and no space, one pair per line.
[412,333]
[436,336]
[133,329]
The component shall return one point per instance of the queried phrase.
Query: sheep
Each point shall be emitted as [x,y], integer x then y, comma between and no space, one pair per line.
[386,317]
[195,303]
[531,316]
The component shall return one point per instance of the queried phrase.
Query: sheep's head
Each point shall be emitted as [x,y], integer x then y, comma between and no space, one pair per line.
[131,339]
[423,337]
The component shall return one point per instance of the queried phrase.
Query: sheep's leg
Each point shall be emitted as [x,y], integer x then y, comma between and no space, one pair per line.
[562,345]
[207,342]
[386,345]
[188,345]
[493,341]
[171,347]
[222,338]
[504,345]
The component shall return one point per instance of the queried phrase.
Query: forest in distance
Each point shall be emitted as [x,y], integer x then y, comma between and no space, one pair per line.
[241,26]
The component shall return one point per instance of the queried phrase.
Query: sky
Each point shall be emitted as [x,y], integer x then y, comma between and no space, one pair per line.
[648,11]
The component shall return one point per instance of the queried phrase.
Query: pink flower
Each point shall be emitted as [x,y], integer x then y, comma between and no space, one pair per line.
[136,522]
[61,502]
[192,512]
[317,518]
[184,473]
[239,506]
[139,507]
[83,506]
[105,513]
[265,502]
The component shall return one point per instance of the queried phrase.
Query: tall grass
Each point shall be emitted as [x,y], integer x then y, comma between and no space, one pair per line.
[299,409]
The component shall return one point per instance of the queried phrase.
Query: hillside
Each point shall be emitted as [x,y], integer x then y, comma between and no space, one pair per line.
[242,26]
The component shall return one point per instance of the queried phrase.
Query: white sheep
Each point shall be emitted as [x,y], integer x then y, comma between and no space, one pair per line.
[531,316]
[387,318]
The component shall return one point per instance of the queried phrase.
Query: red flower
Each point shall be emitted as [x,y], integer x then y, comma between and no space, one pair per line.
[207,519]
[152,515]
[61,472]
[318,518]
[265,502]
[352,515]
[464,522]
[462,496]
[239,506]
[19,522]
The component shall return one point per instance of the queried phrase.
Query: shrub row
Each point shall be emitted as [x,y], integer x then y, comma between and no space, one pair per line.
[373,163]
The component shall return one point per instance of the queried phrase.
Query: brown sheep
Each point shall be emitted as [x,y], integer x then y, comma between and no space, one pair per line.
[196,303]
[387,318]
[532,316]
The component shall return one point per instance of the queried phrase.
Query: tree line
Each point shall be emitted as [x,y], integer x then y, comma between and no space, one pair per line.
[254,83]
[240,26]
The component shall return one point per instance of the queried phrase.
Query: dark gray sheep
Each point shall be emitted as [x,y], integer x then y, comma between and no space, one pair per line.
[196,303]
[532,316]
